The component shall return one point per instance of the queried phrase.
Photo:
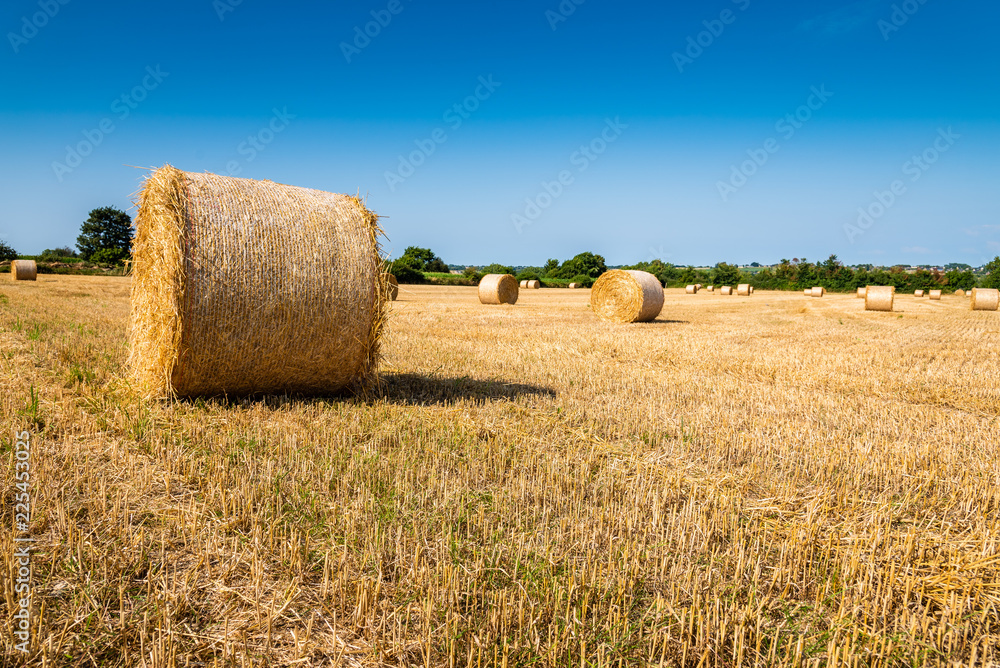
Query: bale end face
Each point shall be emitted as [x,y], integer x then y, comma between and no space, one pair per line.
[498,289]
[627,296]
[24,270]
[985,299]
[879,298]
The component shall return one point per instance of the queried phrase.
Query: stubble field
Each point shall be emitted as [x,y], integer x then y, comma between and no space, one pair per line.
[774,480]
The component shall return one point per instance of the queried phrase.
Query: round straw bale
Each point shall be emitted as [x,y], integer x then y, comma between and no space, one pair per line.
[523,284]
[498,289]
[861,292]
[743,289]
[935,295]
[751,289]
[533,285]
[711,288]
[691,289]
[985,299]
[574,286]
[808,292]
[818,292]
[879,297]
[627,296]
[243,287]
[24,270]
[918,293]
[392,287]
[699,286]
[726,290]
[960,293]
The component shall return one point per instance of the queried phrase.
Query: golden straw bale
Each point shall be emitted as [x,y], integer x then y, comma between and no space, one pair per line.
[818,292]
[960,293]
[861,292]
[244,287]
[711,288]
[627,296]
[879,297]
[392,287]
[24,270]
[533,285]
[985,299]
[726,290]
[523,284]
[691,289]
[574,286]
[935,295]
[743,289]
[498,289]
[918,293]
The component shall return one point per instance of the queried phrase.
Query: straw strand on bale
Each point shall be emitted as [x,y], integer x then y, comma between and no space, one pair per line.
[24,270]
[498,289]
[985,299]
[245,287]
[743,289]
[627,296]
[879,297]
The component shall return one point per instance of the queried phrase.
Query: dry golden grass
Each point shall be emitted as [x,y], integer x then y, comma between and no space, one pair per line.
[760,482]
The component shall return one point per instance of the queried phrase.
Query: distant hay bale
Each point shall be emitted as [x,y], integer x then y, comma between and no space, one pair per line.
[699,286]
[985,299]
[726,290]
[743,289]
[879,297]
[498,289]
[960,293]
[751,289]
[918,293]
[392,287]
[523,284]
[249,287]
[808,292]
[861,292]
[627,296]
[533,285]
[691,289]
[24,270]
[574,286]
[818,292]
[935,295]
[710,288]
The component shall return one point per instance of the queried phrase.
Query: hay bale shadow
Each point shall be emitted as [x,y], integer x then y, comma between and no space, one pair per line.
[416,390]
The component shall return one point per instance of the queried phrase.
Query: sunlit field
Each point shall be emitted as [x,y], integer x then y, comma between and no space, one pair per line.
[773,480]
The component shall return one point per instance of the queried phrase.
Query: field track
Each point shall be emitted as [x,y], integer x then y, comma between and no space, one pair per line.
[772,480]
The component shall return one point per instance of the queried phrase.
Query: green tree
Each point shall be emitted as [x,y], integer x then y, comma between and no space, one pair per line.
[425,260]
[587,264]
[726,274]
[106,228]
[496,269]
[960,280]
[551,266]
[406,270]
[992,279]
[7,253]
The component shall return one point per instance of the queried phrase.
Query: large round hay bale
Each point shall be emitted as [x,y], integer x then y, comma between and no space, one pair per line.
[743,289]
[935,295]
[818,292]
[24,270]
[985,299]
[726,290]
[244,287]
[918,293]
[392,287]
[534,285]
[627,296]
[523,284]
[691,290]
[861,292]
[498,289]
[879,297]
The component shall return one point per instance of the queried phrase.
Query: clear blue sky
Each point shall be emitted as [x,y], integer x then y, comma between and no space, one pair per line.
[663,132]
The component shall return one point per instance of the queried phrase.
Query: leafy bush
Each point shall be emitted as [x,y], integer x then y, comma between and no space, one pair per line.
[106,228]
[992,279]
[7,253]
[583,280]
[528,275]
[109,256]
[57,254]
[496,269]
[406,271]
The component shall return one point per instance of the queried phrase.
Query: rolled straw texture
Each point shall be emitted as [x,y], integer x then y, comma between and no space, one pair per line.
[24,270]
[818,292]
[691,290]
[534,285]
[392,287]
[627,296]
[985,299]
[498,289]
[245,287]
[935,295]
[726,290]
[743,289]
[523,284]
[879,297]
